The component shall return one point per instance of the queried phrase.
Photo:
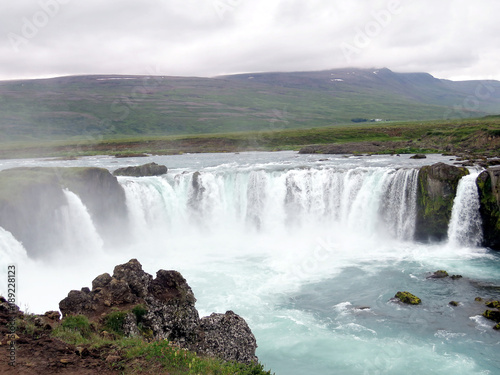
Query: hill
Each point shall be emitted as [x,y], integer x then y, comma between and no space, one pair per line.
[97,107]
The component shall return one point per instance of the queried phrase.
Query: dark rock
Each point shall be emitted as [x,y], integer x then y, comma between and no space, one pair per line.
[493,304]
[418,156]
[453,303]
[488,183]
[437,188]
[101,281]
[228,336]
[132,273]
[408,298]
[456,277]
[150,169]
[438,275]
[53,315]
[165,309]
[492,315]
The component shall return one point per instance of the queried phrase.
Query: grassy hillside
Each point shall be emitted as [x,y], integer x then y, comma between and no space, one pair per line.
[97,107]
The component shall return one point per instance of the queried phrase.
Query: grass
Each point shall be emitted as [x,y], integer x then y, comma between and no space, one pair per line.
[474,135]
[137,355]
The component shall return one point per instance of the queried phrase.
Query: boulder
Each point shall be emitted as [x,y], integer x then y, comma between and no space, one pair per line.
[488,184]
[441,274]
[150,169]
[408,298]
[228,335]
[161,308]
[437,188]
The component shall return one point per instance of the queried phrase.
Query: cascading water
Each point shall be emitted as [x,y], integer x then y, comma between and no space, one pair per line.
[371,199]
[465,228]
[309,252]
[76,228]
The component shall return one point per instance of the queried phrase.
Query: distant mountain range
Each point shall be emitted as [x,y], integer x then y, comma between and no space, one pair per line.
[110,105]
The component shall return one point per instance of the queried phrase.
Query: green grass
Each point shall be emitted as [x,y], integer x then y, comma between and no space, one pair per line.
[478,135]
[142,356]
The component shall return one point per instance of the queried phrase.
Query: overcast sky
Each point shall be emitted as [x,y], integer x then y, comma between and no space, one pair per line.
[454,39]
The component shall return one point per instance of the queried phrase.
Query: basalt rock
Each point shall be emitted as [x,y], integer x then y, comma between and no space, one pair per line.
[150,169]
[488,183]
[225,334]
[437,188]
[161,308]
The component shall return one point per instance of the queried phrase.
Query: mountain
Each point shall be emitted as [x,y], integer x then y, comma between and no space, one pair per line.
[110,105]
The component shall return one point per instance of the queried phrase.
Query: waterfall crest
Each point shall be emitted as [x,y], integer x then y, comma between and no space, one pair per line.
[366,201]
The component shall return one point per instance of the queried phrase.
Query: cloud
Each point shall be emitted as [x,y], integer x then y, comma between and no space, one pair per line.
[449,38]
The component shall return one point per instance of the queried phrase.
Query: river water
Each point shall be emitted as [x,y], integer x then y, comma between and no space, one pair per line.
[308,249]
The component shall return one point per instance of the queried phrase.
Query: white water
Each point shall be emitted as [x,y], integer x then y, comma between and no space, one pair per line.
[378,201]
[76,228]
[294,246]
[465,227]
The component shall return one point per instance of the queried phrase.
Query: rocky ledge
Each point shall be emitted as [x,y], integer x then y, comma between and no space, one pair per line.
[151,169]
[161,308]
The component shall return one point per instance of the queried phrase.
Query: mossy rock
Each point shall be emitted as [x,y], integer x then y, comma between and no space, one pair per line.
[437,188]
[492,315]
[441,274]
[454,303]
[493,304]
[408,298]
[488,184]
[497,327]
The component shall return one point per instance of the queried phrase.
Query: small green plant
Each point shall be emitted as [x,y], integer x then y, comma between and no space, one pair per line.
[115,321]
[77,323]
[140,311]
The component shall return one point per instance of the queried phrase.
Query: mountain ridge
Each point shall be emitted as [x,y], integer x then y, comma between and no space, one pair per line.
[97,106]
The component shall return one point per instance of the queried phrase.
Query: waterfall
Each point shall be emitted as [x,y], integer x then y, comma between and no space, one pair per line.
[11,250]
[465,228]
[367,201]
[76,229]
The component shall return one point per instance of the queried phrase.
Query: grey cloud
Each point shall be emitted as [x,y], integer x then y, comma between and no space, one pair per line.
[209,37]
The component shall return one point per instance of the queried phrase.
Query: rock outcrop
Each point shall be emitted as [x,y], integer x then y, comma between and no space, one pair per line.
[437,188]
[161,308]
[488,184]
[150,169]
[31,199]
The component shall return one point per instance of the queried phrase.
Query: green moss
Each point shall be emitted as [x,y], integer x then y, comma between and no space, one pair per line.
[494,304]
[492,315]
[407,297]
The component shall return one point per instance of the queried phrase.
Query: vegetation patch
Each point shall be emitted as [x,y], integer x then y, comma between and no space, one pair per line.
[115,321]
